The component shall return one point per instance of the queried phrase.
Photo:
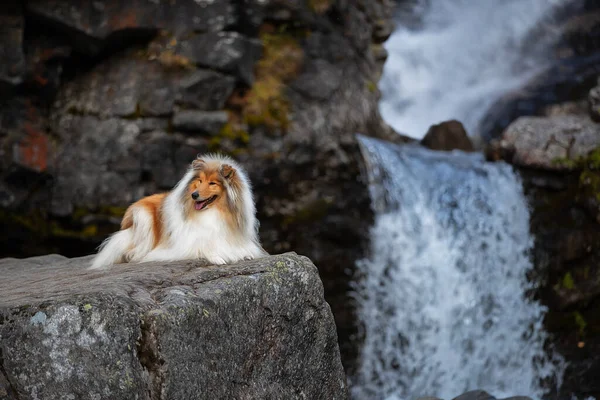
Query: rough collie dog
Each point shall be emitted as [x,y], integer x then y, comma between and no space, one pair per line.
[209,214]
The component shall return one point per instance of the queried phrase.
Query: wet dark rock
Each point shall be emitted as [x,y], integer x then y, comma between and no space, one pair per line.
[319,80]
[594,102]
[46,55]
[447,136]
[113,23]
[203,332]
[205,90]
[564,258]
[13,66]
[581,31]
[570,80]
[331,46]
[127,86]
[475,395]
[228,52]
[209,122]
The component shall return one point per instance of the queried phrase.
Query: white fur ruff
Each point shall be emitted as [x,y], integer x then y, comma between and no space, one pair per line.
[204,235]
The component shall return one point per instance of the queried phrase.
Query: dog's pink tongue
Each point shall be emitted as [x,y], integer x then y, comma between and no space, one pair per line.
[198,206]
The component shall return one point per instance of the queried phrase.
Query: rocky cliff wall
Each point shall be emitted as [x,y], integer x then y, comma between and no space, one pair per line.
[558,156]
[107,101]
[256,330]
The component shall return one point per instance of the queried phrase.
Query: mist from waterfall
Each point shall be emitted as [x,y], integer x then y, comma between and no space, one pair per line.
[451,59]
[441,298]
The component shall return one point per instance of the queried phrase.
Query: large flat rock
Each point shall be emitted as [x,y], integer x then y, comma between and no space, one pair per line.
[259,329]
[547,142]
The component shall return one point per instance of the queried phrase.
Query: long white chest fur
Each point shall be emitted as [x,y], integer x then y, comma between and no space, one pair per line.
[205,235]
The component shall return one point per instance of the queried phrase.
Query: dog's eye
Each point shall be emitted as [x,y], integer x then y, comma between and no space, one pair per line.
[212,183]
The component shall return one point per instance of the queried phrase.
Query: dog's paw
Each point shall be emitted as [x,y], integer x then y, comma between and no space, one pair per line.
[217,260]
[247,258]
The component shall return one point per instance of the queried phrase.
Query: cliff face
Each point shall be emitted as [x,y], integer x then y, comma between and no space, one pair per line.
[258,329]
[558,156]
[104,102]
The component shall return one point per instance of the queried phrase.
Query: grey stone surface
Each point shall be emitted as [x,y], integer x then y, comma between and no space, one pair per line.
[209,122]
[542,142]
[319,80]
[94,26]
[205,90]
[127,86]
[224,51]
[259,329]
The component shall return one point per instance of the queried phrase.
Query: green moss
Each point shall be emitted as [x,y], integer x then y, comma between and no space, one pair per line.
[319,6]
[88,231]
[266,103]
[589,178]
[113,211]
[235,134]
[371,86]
[567,281]
[274,273]
[580,322]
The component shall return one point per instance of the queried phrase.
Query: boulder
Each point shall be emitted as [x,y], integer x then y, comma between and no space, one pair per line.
[550,143]
[257,329]
[482,395]
[447,136]
[476,395]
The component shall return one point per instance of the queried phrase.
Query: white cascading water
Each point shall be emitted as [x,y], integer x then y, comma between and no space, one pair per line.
[461,56]
[442,295]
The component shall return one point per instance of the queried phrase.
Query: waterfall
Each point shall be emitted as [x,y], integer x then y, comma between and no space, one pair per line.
[453,58]
[442,297]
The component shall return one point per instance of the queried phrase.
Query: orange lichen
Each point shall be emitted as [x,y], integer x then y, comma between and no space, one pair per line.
[33,150]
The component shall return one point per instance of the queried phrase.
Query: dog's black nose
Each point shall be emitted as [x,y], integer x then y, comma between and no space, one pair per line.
[195,195]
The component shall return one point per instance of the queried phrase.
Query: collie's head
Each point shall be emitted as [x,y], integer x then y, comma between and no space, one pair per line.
[216,181]
[207,187]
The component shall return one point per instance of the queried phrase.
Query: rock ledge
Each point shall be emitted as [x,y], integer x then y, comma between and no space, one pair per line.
[257,329]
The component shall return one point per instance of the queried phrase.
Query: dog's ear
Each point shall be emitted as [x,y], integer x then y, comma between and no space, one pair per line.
[198,164]
[227,171]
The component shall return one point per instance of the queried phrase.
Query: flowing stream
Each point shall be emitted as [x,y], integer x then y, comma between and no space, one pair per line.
[442,297]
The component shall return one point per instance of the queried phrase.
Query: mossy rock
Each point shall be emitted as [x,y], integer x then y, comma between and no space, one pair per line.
[266,102]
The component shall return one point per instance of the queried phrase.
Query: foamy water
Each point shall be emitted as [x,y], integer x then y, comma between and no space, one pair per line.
[442,296]
[461,57]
